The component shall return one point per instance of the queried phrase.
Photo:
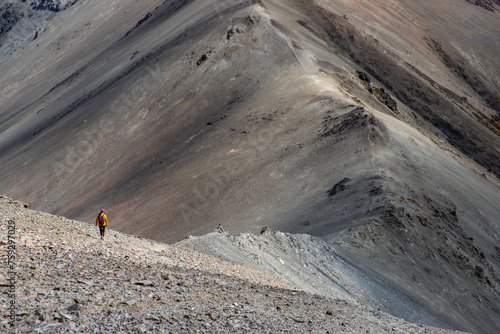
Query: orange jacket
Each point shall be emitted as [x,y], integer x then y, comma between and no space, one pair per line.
[105,219]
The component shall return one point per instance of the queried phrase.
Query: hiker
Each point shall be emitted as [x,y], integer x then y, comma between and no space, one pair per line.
[102,221]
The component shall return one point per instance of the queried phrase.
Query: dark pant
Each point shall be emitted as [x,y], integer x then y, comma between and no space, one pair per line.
[101,230]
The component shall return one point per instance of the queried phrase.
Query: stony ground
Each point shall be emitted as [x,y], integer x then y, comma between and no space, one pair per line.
[68,280]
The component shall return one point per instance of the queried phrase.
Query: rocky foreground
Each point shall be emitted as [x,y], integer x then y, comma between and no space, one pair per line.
[68,280]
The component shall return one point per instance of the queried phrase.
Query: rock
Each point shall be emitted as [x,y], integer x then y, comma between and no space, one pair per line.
[338,187]
[85,281]
[74,307]
[71,325]
[144,283]
[202,59]
[130,302]
[22,204]
[67,316]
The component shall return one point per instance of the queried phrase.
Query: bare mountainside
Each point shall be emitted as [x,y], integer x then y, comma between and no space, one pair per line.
[372,126]
[22,21]
[68,280]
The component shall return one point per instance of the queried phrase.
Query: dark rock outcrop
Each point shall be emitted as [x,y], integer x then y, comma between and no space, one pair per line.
[490,5]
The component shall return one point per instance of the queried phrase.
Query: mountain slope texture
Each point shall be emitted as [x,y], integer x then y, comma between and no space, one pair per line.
[78,283]
[366,132]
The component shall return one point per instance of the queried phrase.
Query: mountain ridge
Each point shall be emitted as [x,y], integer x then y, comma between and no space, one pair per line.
[372,126]
[67,278]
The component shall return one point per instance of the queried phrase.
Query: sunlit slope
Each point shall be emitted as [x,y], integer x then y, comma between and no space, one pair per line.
[372,125]
[184,115]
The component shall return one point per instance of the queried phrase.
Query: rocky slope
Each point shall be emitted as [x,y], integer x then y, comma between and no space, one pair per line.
[328,269]
[368,129]
[68,280]
[189,125]
[22,22]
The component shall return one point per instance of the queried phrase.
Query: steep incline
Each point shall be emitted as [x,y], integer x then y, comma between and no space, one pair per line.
[186,114]
[373,125]
[68,280]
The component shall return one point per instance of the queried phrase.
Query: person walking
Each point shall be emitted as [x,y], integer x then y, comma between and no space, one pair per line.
[102,221]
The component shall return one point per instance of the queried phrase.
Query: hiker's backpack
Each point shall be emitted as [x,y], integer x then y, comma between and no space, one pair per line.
[101,219]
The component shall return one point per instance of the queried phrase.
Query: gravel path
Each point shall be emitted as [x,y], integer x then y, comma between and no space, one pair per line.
[67,280]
